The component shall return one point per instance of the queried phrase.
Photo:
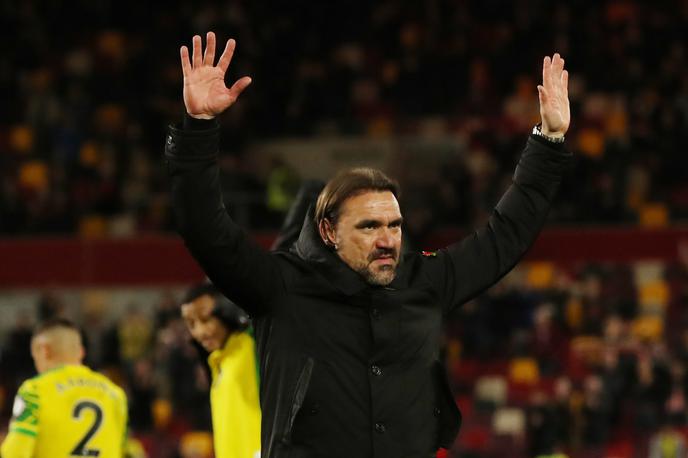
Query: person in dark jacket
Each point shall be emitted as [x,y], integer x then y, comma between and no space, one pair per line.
[348,328]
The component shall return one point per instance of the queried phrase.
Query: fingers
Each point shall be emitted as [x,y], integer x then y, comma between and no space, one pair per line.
[198,58]
[565,81]
[546,71]
[553,72]
[557,67]
[209,57]
[226,56]
[186,64]
[542,95]
[197,55]
[239,86]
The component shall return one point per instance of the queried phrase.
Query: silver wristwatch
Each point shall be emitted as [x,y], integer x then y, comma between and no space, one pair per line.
[537,130]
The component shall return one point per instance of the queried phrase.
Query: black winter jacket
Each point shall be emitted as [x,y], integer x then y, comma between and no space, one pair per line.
[350,370]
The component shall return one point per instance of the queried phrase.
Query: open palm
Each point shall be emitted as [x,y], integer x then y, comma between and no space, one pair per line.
[554,97]
[205,92]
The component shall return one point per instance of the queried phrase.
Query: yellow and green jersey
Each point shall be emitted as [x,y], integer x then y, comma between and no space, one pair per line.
[234,399]
[67,412]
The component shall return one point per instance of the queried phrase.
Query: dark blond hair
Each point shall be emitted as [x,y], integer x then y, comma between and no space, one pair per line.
[349,183]
[55,323]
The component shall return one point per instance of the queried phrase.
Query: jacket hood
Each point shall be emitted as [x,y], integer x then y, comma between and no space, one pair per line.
[309,246]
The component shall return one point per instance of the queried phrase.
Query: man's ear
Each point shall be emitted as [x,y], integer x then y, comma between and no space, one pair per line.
[328,234]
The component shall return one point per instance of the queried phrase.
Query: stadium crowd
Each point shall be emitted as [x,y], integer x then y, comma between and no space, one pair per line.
[593,358]
[85,107]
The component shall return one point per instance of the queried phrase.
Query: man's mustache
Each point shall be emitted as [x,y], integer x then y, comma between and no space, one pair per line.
[383,253]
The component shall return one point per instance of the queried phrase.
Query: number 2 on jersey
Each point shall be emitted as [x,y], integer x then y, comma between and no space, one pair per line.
[81,448]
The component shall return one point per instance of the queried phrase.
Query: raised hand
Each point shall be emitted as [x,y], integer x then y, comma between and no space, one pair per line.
[205,92]
[554,97]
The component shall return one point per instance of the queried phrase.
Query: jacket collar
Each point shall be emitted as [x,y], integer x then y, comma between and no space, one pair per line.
[310,248]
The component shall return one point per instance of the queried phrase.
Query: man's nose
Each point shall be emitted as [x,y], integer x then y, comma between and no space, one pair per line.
[199,331]
[385,239]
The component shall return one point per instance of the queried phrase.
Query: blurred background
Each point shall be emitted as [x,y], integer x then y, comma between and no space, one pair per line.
[582,349]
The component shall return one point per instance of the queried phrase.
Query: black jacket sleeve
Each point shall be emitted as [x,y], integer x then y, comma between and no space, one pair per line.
[293,222]
[465,269]
[244,272]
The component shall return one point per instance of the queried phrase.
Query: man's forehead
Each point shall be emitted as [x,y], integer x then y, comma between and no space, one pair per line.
[187,309]
[199,305]
[372,204]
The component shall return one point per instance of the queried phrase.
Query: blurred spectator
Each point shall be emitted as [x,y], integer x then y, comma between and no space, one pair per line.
[668,443]
[614,378]
[142,393]
[166,310]
[595,412]
[135,334]
[675,407]
[542,429]
[282,185]
[93,308]
[49,306]
[562,417]
[549,344]
[15,358]
[650,392]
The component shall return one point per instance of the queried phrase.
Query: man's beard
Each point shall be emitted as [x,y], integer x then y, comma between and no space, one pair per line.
[383,275]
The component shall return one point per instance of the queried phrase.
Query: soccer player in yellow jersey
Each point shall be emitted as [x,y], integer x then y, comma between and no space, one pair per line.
[67,410]
[220,327]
